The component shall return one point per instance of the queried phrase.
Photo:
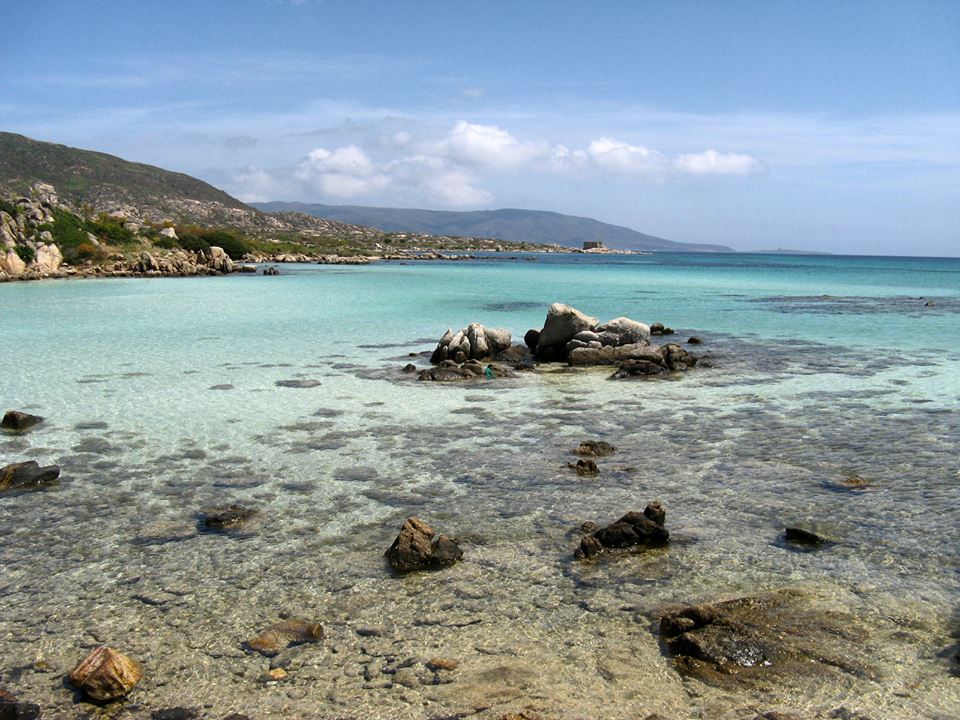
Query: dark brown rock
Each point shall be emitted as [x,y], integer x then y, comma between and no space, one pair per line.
[106,674]
[694,340]
[584,467]
[409,368]
[27,475]
[19,421]
[595,448]
[280,636]
[799,536]
[634,529]
[13,709]
[418,547]
[531,338]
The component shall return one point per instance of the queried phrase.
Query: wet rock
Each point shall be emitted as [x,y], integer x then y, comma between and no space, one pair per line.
[799,536]
[27,475]
[764,640]
[639,368]
[409,368]
[472,370]
[560,327]
[531,338]
[13,709]
[658,328]
[106,674]
[418,547]
[271,271]
[655,361]
[613,355]
[694,340]
[280,636]
[226,518]
[595,448]
[634,529]
[19,421]
[584,467]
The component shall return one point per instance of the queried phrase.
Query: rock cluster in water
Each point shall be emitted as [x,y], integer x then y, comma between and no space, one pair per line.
[474,342]
[418,547]
[635,529]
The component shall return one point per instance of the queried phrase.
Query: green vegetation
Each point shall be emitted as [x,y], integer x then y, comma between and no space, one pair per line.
[110,230]
[9,207]
[26,253]
[201,240]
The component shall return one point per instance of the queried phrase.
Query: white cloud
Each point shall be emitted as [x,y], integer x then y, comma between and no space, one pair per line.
[485,146]
[616,156]
[344,173]
[711,162]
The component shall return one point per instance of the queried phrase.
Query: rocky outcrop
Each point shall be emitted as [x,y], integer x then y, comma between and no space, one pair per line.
[27,475]
[278,637]
[670,358]
[11,264]
[106,674]
[48,259]
[634,529]
[19,421]
[418,547]
[474,342]
[183,263]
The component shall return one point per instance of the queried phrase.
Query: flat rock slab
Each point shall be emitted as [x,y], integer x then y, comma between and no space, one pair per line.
[762,641]
[280,636]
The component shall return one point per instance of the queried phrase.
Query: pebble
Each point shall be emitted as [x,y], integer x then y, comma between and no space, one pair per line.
[441,663]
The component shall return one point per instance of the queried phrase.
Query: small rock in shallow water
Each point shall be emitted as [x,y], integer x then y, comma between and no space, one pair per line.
[595,448]
[799,536]
[298,383]
[282,635]
[106,674]
[27,475]
[440,663]
[177,713]
[19,421]
[417,547]
[585,467]
[227,518]
[694,340]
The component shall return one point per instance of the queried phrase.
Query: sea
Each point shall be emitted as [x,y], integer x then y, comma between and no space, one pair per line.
[827,397]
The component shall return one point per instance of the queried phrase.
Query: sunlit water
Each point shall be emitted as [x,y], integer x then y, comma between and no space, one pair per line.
[161,401]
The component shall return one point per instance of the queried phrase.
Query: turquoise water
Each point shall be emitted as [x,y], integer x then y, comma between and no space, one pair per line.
[162,401]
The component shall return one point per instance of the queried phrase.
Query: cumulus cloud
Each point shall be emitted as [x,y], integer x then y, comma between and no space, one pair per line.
[711,162]
[486,146]
[344,173]
[616,156]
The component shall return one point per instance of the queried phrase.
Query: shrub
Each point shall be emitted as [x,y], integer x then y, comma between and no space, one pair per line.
[67,229]
[86,251]
[110,230]
[26,253]
[233,246]
[9,207]
[167,243]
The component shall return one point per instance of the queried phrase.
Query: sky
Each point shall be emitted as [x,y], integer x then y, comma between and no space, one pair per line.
[814,125]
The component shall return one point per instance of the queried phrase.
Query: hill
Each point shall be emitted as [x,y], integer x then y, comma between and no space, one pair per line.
[514,225]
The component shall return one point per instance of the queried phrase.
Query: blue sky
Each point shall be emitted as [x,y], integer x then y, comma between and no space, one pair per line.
[829,126]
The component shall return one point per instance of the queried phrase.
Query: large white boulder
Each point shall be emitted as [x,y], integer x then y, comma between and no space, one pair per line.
[562,323]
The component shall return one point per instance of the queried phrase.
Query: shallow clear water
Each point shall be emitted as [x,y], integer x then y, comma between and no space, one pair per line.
[161,400]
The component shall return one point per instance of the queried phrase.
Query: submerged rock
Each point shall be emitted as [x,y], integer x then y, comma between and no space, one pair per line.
[106,674]
[418,547]
[634,529]
[226,518]
[280,636]
[763,640]
[298,383]
[595,448]
[19,421]
[450,371]
[27,475]
[656,361]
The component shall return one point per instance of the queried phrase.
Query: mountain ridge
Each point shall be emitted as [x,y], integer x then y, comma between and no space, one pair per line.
[509,224]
